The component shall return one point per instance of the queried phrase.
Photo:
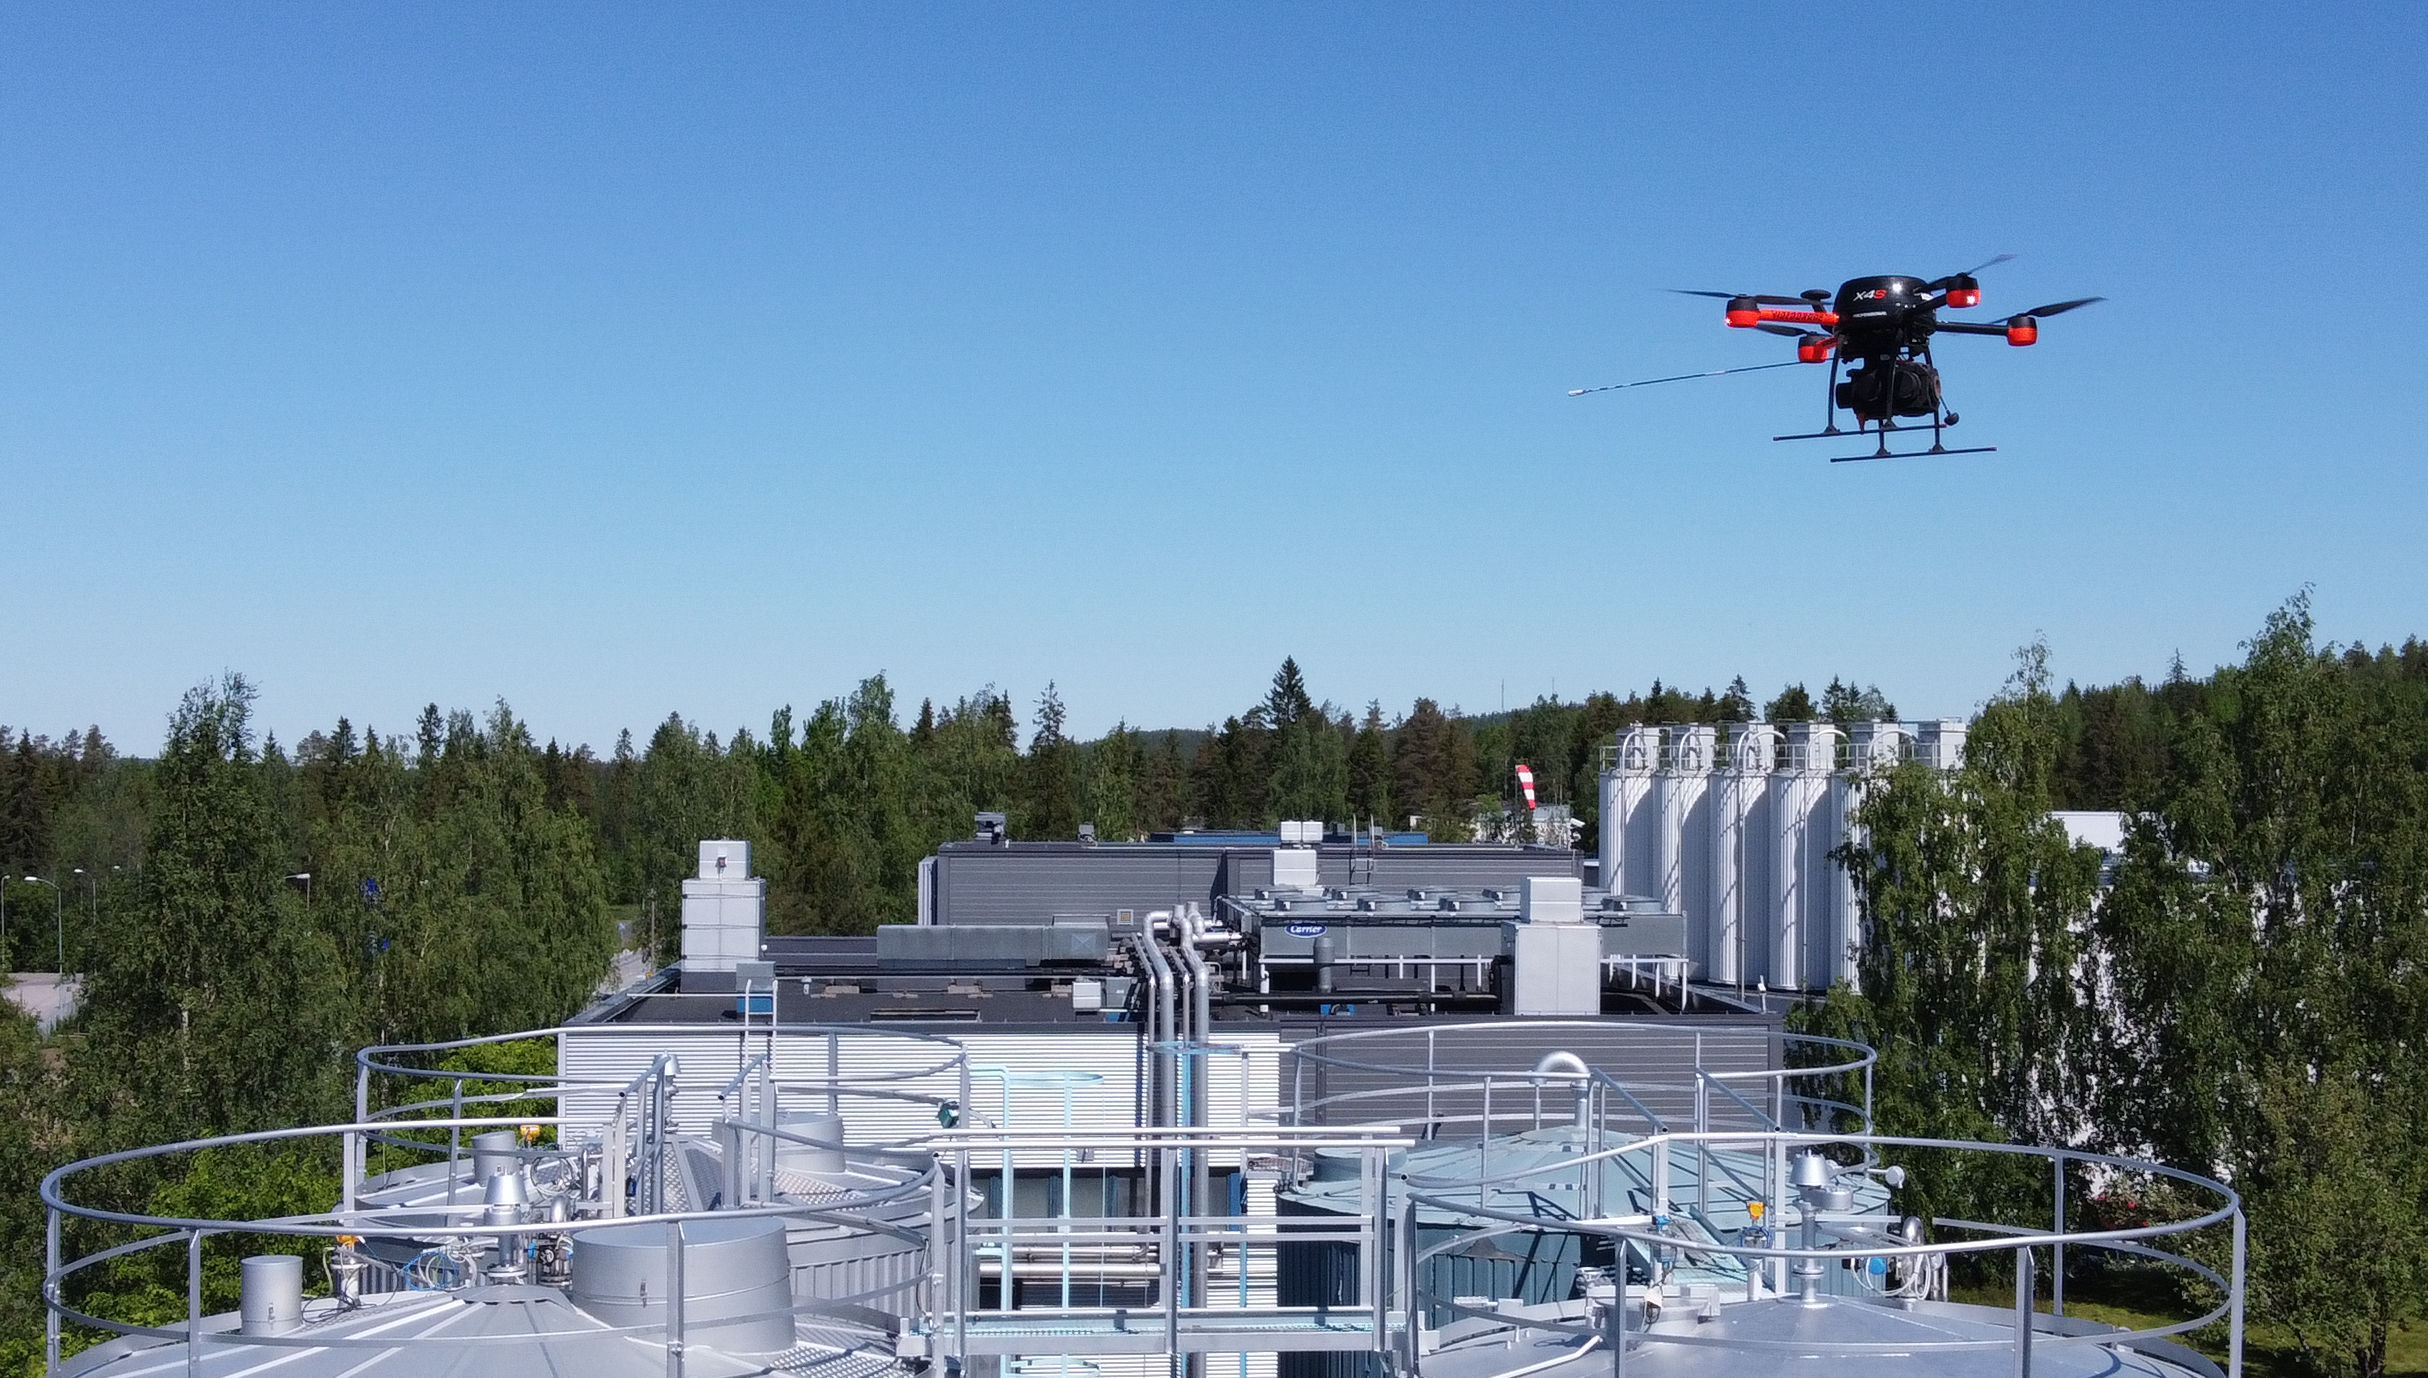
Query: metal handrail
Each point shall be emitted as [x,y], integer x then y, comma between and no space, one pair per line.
[377,1057]
[2004,1238]
[1325,1054]
[427,1221]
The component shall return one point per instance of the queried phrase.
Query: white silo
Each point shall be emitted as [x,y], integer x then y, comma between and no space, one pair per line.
[1740,854]
[1803,831]
[1681,867]
[1626,834]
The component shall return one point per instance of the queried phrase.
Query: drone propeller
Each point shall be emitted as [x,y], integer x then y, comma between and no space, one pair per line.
[1732,296]
[1793,332]
[1682,377]
[2055,308]
[1960,287]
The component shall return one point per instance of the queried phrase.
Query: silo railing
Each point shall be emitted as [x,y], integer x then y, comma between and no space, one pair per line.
[1480,1079]
[1768,1265]
[472,1229]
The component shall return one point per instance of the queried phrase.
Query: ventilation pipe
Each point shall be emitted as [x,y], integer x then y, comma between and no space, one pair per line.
[493,1152]
[272,1300]
[824,1126]
[1566,1066]
[502,1203]
[1812,1175]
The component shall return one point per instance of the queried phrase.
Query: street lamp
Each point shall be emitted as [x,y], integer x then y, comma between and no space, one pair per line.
[92,903]
[59,914]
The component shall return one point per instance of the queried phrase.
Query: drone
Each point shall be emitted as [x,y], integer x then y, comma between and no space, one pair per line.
[1882,326]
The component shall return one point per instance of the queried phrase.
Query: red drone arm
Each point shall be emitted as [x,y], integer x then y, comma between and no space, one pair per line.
[1743,319]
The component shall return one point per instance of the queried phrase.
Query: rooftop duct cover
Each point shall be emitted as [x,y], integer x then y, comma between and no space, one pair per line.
[731,1268]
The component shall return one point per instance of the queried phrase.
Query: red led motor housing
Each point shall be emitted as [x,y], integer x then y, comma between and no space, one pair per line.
[1814,349]
[1744,311]
[2022,330]
[1961,297]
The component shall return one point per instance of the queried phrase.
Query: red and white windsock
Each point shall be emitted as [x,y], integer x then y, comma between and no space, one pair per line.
[1525,775]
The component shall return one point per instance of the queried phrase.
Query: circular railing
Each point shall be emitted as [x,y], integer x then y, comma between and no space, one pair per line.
[1459,1197]
[1487,1077]
[847,1078]
[863,1209]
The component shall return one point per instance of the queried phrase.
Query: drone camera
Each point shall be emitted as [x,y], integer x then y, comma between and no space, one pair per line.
[2022,330]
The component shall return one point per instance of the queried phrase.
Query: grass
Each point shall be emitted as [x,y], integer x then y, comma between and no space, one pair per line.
[2134,1299]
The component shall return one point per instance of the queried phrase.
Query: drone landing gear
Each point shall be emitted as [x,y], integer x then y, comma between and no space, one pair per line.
[1941,419]
[1885,453]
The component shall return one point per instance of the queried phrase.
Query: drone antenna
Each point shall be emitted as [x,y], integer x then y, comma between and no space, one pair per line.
[1682,377]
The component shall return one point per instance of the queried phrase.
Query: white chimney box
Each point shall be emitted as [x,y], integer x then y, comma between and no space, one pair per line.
[724,859]
[1551,899]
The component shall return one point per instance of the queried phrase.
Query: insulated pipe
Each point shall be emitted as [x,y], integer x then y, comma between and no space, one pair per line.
[1569,1067]
[1201,978]
[1201,1011]
[1160,1031]
[1164,1016]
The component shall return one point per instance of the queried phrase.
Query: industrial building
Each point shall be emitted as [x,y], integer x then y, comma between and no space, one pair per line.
[1285,1105]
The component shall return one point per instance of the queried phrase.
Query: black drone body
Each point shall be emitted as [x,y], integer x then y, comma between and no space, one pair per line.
[1875,334]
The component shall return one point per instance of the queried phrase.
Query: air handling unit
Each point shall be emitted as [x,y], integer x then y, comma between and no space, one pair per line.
[724,916]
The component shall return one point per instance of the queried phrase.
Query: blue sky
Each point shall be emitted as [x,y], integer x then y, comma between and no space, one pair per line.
[615,360]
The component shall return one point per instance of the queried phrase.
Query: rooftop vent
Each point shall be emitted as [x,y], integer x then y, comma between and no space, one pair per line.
[737,1280]
[993,827]
[272,1300]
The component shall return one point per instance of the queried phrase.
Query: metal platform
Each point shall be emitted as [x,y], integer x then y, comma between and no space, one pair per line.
[1273,1330]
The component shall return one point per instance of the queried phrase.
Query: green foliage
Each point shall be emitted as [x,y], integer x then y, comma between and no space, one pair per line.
[1793,704]
[216,1003]
[522,1057]
[2247,995]
[1971,968]
[1845,702]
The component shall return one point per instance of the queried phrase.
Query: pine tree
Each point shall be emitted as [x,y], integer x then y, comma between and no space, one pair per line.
[1051,797]
[1370,769]
[1737,705]
[1287,702]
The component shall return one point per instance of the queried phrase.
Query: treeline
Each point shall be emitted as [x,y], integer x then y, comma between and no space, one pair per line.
[242,921]
[2244,992]
[843,803]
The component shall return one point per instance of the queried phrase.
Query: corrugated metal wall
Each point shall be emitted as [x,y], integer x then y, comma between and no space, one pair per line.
[1031,884]
[1020,885]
